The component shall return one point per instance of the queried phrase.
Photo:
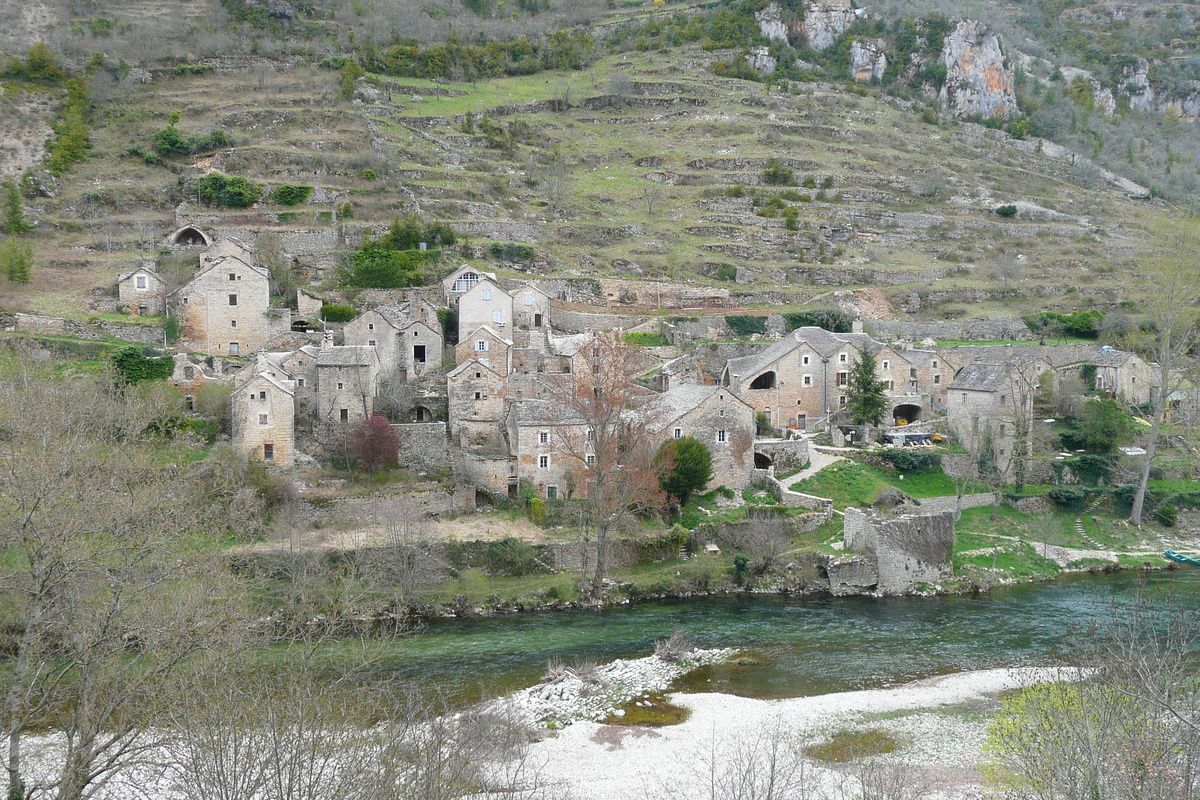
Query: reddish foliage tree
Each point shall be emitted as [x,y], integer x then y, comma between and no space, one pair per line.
[374,444]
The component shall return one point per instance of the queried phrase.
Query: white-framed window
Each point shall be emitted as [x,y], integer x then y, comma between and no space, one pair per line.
[543,437]
[806,380]
[370,326]
[891,385]
[497,316]
[842,358]
[466,281]
[140,281]
[590,459]
[528,299]
[721,436]
[486,294]
[804,361]
[841,401]
[341,386]
[843,378]
[262,419]
[591,434]
[887,365]
[679,433]
[481,346]
[543,462]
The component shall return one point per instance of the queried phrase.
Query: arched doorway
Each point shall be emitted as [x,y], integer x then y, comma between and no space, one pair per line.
[762,461]
[764,381]
[906,414]
[190,236]
[422,414]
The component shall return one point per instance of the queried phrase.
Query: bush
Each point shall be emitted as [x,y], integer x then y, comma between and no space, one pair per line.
[1071,498]
[913,461]
[508,251]
[229,191]
[169,140]
[743,325]
[369,174]
[831,319]
[290,195]
[134,365]
[512,556]
[331,312]
[776,174]
[1167,514]
[1007,211]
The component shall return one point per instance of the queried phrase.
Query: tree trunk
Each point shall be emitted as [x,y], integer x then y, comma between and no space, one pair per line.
[1161,398]
[601,562]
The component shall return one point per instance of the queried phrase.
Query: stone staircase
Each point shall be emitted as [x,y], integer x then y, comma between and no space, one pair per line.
[1090,508]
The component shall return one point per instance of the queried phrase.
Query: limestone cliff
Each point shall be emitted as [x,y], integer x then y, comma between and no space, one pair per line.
[867,60]
[770,23]
[825,20]
[978,79]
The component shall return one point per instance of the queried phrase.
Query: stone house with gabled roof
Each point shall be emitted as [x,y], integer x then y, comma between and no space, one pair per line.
[485,304]
[408,348]
[347,381]
[461,281]
[487,345]
[713,415]
[142,292]
[990,407]
[262,419]
[1123,375]
[531,307]
[225,309]
[477,398]
[224,248]
[537,432]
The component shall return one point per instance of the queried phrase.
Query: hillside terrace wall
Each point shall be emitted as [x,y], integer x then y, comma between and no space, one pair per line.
[937,505]
[424,446]
[635,295]
[992,328]
[93,329]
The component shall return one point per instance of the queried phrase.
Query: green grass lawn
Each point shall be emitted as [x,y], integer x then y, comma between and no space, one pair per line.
[849,483]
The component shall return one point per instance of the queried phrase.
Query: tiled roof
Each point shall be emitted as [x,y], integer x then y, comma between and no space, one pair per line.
[822,341]
[980,377]
[346,356]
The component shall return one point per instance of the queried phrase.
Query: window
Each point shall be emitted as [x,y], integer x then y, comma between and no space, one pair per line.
[479,395]
[543,462]
[935,364]
[140,281]
[262,395]
[1003,400]
[802,421]
[234,349]
[466,281]
[419,353]
[679,433]
[416,333]
[937,378]
[912,373]
[721,413]
[528,299]
[486,294]
[478,374]
[498,316]
[806,380]
[964,397]
[370,326]
[891,385]
[233,276]
[591,435]
[341,386]
[345,415]
[590,459]
[262,419]
[543,437]
[843,378]
[841,358]
[371,342]
[481,346]
[185,301]
[300,382]
[721,436]
[841,401]
[268,452]
[887,365]
[233,323]
[804,361]
[551,492]
[233,299]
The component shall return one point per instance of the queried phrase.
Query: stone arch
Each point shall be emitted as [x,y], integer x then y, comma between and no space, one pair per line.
[423,414]
[764,381]
[762,461]
[906,411]
[190,236]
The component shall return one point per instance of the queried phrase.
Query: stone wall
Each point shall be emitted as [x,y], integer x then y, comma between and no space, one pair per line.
[93,329]
[571,321]
[786,455]
[960,465]
[1031,505]
[937,505]
[424,446]
[907,550]
[971,330]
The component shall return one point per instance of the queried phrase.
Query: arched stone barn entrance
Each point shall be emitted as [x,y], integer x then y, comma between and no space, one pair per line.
[762,461]
[907,413]
[190,236]
[422,414]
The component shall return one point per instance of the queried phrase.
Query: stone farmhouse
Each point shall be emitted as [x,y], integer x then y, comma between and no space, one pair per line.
[800,381]
[142,292]
[461,281]
[990,407]
[225,309]
[715,416]
[263,418]
[347,381]
[485,304]
[407,347]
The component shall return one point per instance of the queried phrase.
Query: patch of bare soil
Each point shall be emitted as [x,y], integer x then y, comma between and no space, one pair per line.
[470,528]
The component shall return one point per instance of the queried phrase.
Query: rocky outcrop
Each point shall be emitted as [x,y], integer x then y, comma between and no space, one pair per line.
[867,60]
[761,61]
[770,23]
[825,20]
[978,79]
[1135,82]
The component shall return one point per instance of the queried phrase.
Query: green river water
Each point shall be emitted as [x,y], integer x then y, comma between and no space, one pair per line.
[799,646]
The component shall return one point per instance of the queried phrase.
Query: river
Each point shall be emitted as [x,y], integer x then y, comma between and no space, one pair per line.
[795,646]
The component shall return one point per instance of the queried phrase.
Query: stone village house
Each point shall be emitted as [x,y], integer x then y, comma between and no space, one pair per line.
[990,407]
[142,292]
[407,347]
[225,309]
[263,418]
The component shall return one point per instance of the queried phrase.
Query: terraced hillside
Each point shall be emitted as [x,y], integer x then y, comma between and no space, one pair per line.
[643,165]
